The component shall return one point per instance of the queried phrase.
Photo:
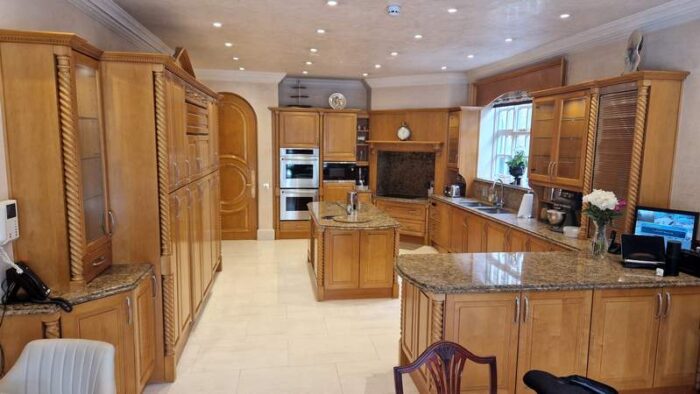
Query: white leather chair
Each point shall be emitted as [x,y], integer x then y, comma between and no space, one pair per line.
[62,366]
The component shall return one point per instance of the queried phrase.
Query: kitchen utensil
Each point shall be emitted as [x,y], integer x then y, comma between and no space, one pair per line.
[555,217]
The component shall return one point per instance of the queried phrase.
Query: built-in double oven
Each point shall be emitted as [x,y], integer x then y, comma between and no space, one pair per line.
[299,181]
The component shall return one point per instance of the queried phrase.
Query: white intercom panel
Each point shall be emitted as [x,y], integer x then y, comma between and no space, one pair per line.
[9,221]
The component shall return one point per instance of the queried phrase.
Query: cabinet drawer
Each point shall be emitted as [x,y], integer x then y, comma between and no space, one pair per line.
[399,211]
[412,227]
[97,259]
[295,225]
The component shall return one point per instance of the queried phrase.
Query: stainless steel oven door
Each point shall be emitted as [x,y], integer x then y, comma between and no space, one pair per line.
[299,173]
[293,203]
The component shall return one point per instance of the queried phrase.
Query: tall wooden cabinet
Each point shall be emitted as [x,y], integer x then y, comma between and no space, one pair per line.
[339,136]
[161,133]
[57,166]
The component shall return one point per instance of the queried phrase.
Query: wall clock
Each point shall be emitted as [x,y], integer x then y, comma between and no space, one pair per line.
[403,132]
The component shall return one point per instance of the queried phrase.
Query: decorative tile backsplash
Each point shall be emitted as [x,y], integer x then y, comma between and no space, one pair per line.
[405,173]
[511,195]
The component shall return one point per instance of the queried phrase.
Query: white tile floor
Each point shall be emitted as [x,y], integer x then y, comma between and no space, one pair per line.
[262,331]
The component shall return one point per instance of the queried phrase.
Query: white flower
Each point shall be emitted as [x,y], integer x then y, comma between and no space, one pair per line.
[601,199]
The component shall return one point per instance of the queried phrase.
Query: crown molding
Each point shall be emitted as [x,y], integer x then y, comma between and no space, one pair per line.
[419,80]
[669,14]
[210,74]
[111,15]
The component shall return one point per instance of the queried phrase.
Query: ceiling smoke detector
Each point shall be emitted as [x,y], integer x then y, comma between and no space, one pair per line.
[393,10]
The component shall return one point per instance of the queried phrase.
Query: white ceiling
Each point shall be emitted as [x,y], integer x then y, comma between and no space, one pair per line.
[276,35]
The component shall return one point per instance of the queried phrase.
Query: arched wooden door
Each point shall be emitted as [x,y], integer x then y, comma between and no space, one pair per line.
[238,147]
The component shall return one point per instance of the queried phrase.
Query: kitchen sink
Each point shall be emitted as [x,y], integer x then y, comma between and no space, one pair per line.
[493,210]
[472,204]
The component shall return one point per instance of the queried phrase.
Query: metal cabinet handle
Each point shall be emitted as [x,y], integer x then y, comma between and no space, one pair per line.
[517,310]
[99,261]
[659,301]
[667,310]
[112,222]
[153,285]
[128,307]
[527,309]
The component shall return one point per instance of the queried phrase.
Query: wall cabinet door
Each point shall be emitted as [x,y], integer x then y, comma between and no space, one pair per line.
[542,138]
[567,169]
[195,244]
[408,319]
[624,329]
[496,237]
[377,258]
[440,224]
[339,136]
[344,256]
[453,140]
[487,325]
[207,257]
[458,228]
[679,338]
[110,320]
[299,129]
[554,333]
[145,326]
[475,233]
[176,113]
[337,191]
[180,260]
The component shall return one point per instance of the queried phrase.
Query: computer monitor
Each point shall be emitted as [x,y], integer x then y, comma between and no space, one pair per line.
[671,224]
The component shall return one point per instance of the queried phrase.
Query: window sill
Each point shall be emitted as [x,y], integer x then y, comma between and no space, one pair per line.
[507,186]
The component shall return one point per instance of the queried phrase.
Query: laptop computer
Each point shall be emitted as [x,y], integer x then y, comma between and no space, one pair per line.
[642,251]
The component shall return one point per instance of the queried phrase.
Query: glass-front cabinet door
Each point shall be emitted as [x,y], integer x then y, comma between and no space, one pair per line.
[568,166]
[97,217]
[542,139]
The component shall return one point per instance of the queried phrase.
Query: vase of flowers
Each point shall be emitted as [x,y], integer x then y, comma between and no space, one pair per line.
[602,207]
[516,166]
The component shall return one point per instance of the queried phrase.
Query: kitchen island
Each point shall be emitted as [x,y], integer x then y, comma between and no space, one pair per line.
[561,312]
[352,256]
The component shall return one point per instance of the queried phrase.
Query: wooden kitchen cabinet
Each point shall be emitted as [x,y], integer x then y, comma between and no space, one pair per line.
[458,233]
[195,238]
[177,135]
[376,259]
[145,330]
[554,333]
[679,338]
[337,191]
[518,241]
[453,140]
[299,130]
[408,320]
[440,225]
[343,254]
[496,237]
[412,216]
[180,261]
[476,236]
[538,245]
[624,331]
[558,140]
[339,136]
[487,325]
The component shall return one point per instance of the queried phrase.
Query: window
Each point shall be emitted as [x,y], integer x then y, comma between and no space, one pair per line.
[504,131]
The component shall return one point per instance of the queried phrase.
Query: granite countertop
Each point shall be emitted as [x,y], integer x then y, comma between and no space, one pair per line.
[323,212]
[116,279]
[494,272]
[532,226]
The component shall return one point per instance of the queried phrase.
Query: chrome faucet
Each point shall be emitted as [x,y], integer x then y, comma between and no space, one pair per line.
[494,197]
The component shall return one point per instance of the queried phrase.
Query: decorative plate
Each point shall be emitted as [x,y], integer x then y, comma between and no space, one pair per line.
[403,132]
[337,101]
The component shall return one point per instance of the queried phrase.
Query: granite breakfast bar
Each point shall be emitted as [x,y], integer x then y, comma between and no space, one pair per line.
[352,256]
[561,312]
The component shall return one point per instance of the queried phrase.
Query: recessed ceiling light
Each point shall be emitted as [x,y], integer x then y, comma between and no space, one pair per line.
[241,68]
[217,24]
[313,50]
[365,74]
[321,31]
[565,16]
[228,44]
[304,72]
[443,68]
[332,3]
[308,63]
[509,39]
[377,66]
[470,56]
[451,10]
[394,54]
[235,58]
[418,36]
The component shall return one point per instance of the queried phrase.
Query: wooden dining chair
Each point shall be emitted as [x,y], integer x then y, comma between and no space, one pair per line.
[445,362]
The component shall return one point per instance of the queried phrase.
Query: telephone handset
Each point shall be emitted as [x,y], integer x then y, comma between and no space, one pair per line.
[34,289]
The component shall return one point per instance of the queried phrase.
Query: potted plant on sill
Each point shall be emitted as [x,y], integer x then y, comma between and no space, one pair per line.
[516,166]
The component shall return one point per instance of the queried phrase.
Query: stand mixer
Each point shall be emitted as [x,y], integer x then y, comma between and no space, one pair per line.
[566,207]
